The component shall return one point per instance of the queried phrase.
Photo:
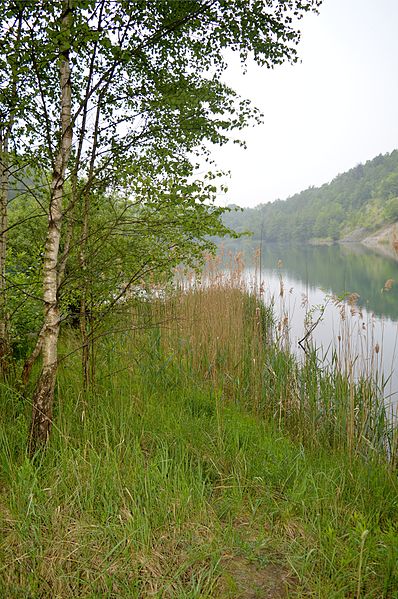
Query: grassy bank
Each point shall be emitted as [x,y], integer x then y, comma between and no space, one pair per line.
[204,463]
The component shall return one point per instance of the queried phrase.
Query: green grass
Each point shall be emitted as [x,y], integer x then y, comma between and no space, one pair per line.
[164,483]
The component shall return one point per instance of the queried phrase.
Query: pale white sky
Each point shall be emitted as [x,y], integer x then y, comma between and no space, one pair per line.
[337,108]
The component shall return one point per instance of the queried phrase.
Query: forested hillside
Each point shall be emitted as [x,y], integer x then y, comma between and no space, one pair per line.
[365,197]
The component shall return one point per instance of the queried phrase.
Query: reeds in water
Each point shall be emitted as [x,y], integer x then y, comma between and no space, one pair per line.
[219,329]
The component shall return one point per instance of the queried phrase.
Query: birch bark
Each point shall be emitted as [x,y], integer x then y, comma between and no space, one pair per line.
[43,398]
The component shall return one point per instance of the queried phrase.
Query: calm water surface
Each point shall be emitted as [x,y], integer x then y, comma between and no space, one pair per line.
[312,278]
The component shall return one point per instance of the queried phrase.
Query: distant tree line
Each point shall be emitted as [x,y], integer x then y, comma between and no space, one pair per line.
[365,197]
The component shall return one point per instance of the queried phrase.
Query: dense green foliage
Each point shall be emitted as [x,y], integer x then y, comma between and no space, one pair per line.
[133,242]
[365,197]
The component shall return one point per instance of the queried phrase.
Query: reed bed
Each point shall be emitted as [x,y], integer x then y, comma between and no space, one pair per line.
[218,328]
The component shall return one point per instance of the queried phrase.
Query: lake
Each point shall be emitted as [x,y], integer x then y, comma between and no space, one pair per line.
[311,283]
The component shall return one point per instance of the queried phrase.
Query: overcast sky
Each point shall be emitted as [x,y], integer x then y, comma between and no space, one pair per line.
[337,108]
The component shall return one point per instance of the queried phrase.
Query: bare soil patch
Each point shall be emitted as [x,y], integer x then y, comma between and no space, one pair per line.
[243,579]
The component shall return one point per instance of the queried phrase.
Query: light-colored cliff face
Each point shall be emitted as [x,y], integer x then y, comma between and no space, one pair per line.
[387,235]
[384,240]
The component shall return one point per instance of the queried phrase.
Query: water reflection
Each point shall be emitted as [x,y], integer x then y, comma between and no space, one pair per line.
[312,277]
[336,269]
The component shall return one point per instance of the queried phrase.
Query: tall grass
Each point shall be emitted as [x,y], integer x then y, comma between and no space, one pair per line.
[206,462]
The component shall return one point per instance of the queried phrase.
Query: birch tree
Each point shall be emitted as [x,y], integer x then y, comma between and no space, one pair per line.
[44,393]
[125,94]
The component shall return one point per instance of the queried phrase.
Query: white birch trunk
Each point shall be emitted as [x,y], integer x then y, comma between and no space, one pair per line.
[43,398]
